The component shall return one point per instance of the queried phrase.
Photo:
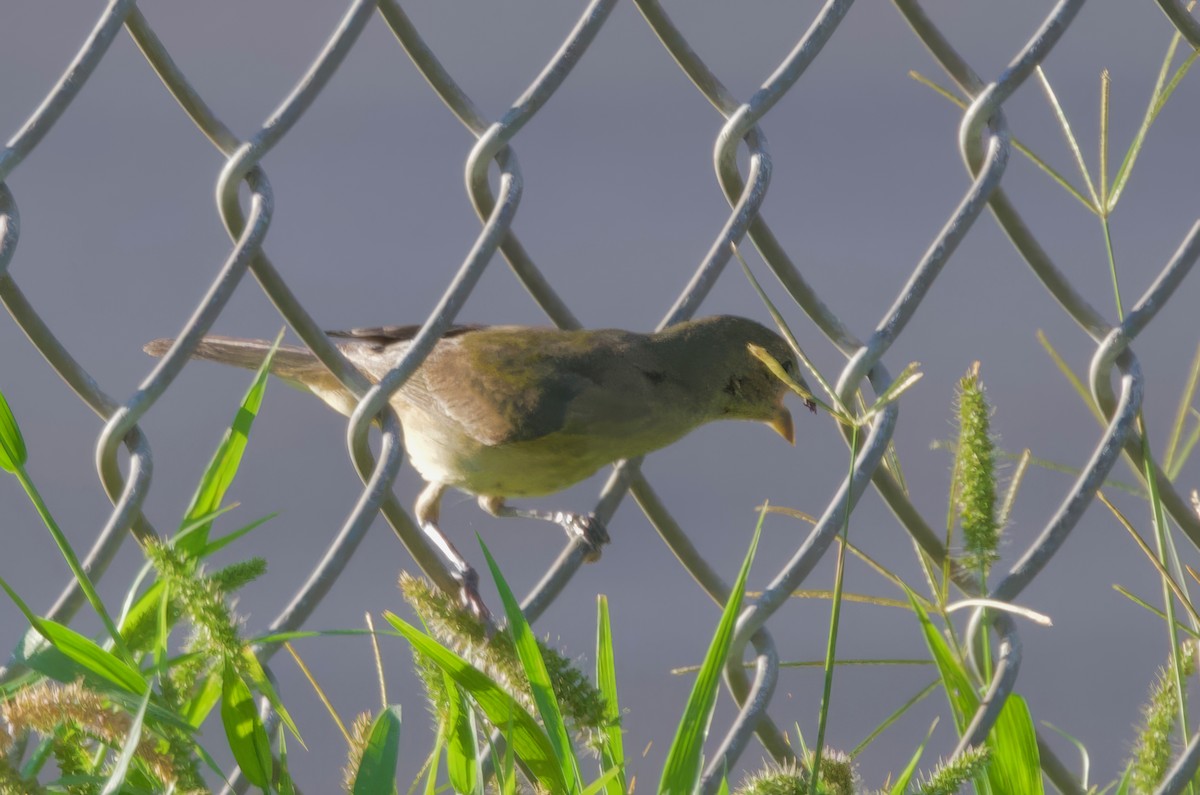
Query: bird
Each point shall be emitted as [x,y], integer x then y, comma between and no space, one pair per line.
[519,411]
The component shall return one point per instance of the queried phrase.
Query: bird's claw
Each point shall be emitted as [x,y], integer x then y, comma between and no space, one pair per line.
[468,592]
[588,529]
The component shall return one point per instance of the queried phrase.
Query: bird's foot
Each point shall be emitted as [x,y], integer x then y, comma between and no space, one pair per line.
[585,527]
[468,593]
[590,530]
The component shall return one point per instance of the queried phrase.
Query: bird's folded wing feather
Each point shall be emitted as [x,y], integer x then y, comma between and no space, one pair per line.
[383,336]
[506,385]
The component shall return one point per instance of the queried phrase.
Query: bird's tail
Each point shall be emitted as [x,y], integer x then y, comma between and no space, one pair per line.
[291,363]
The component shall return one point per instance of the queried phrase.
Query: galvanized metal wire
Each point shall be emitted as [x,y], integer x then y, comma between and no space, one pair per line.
[985,145]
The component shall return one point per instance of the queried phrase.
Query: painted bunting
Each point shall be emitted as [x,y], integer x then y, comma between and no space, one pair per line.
[515,411]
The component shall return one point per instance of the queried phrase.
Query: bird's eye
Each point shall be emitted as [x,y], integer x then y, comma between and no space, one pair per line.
[787,366]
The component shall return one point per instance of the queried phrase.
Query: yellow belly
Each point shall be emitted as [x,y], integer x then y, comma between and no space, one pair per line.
[523,469]
[442,452]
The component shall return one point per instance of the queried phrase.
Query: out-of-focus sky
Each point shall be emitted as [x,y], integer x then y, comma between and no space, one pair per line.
[120,239]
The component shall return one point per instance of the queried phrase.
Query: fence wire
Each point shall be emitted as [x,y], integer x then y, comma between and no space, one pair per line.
[985,145]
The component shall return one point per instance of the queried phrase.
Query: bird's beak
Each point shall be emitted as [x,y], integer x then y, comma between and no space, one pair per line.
[781,423]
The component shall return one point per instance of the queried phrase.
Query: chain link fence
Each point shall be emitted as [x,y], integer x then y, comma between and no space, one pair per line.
[743,166]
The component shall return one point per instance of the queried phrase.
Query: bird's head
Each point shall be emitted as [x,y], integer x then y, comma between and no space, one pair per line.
[740,385]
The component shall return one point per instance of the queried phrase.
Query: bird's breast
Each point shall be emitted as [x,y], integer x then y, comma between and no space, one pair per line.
[520,469]
[443,452]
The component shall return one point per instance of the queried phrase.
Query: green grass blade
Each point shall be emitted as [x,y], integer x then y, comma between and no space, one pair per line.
[432,769]
[1084,393]
[841,410]
[1158,99]
[906,775]
[900,384]
[286,785]
[377,770]
[539,678]
[72,559]
[507,776]
[1085,759]
[272,638]
[524,734]
[604,783]
[263,683]
[34,652]
[1015,766]
[141,619]
[1014,484]
[681,772]
[1072,143]
[82,650]
[462,747]
[38,758]
[201,521]
[226,460]
[955,680]
[890,719]
[612,753]
[1126,783]
[206,697]
[13,453]
[1185,452]
[133,736]
[1105,97]
[1181,414]
[244,730]
[1046,168]
[229,538]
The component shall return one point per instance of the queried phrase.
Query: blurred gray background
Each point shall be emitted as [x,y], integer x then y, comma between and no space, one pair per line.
[120,239]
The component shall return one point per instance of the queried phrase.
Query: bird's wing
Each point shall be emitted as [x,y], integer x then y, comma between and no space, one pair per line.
[383,336]
[508,384]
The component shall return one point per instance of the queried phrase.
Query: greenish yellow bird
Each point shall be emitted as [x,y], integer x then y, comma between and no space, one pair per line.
[515,411]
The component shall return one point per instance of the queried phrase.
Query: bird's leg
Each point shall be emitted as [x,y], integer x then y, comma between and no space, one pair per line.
[582,526]
[428,509]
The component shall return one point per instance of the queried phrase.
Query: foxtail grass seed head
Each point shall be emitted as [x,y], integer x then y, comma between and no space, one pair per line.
[202,599]
[975,468]
[238,575]
[948,778]
[1152,749]
[837,777]
[360,734]
[455,628]
[789,779]
[75,716]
